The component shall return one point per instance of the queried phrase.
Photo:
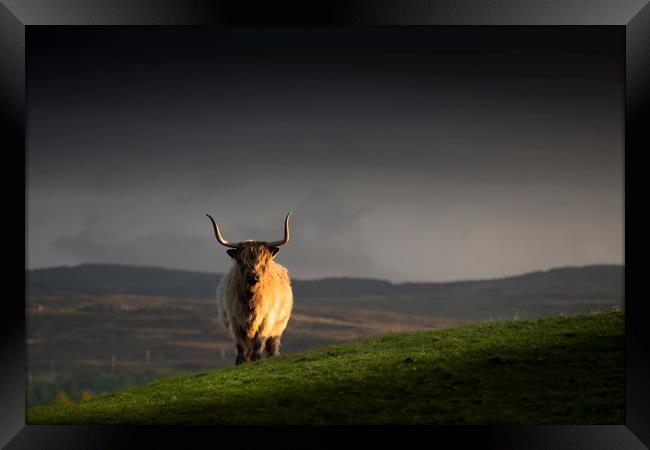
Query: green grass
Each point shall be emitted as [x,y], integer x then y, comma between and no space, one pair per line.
[559,370]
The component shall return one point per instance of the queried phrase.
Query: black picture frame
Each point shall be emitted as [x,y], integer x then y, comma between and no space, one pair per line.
[633,15]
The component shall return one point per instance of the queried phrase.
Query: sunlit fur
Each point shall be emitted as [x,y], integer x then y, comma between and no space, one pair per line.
[256,315]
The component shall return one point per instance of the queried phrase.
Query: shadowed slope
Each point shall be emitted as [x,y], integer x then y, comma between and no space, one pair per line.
[553,370]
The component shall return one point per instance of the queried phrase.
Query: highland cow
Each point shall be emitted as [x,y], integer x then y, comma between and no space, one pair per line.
[254,298]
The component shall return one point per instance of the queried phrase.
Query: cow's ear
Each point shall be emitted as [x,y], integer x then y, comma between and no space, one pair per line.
[274,251]
[232,252]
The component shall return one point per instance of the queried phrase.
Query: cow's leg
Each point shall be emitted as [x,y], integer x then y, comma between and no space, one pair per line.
[240,354]
[273,346]
[244,349]
[257,346]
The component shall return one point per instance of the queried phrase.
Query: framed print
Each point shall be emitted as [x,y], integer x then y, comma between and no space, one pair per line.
[415,216]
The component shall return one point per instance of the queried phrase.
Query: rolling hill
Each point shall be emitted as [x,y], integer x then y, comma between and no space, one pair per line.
[107,327]
[529,295]
[560,370]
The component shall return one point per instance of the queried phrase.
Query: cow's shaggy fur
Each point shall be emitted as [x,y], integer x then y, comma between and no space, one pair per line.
[255,314]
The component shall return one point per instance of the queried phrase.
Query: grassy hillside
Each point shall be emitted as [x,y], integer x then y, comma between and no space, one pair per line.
[102,327]
[559,370]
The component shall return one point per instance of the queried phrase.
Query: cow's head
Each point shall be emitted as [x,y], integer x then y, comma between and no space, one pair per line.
[252,257]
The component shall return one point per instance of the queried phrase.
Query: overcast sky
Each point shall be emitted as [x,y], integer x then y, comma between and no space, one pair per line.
[420,154]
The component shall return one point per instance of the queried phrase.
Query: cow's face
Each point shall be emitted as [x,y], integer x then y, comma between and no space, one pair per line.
[252,259]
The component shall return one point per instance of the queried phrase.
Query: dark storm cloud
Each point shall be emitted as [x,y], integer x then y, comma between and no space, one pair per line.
[134,135]
[111,246]
[327,233]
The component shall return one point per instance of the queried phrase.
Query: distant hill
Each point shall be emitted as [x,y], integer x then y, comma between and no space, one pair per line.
[533,294]
[121,279]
